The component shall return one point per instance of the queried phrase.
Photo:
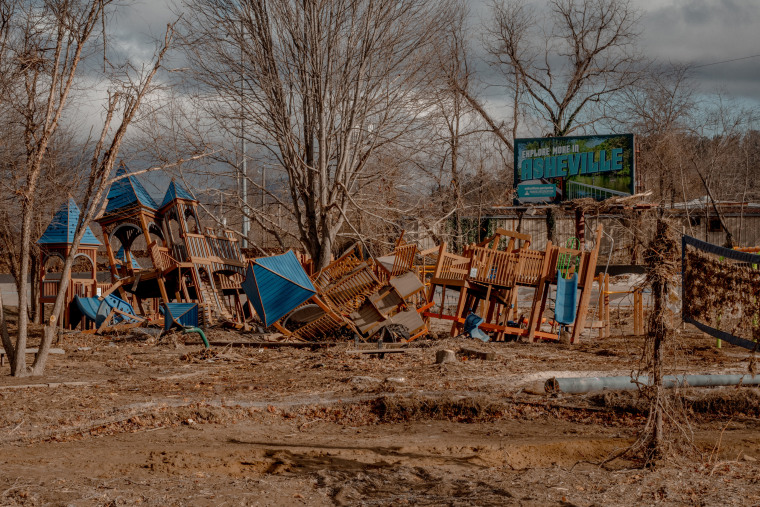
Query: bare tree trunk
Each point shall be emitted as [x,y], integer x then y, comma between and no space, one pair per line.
[35,287]
[19,368]
[657,332]
[662,267]
[102,163]
[7,343]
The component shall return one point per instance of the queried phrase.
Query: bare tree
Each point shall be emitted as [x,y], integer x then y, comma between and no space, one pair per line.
[322,87]
[562,63]
[49,42]
[659,109]
[46,46]
[719,134]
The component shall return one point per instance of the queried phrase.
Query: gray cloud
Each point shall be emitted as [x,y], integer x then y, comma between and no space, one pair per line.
[702,32]
[694,32]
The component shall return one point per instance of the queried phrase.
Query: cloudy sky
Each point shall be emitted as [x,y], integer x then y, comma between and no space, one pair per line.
[696,32]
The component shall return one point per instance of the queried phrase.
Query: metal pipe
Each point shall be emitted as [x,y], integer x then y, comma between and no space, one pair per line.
[587,384]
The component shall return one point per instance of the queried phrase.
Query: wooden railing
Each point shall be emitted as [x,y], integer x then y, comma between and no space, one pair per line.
[339,268]
[403,259]
[452,267]
[325,325]
[50,288]
[230,282]
[223,247]
[197,245]
[179,252]
[161,258]
[494,267]
[103,287]
[350,292]
[531,265]
[83,289]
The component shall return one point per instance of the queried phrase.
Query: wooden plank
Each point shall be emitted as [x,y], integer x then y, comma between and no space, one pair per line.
[539,298]
[546,336]
[107,320]
[459,311]
[426,307]
[588,276]
[273,345]
[436,315]
[114,287]
[34,350]
[600,303]
[131,316]
[136,282]
[606,317]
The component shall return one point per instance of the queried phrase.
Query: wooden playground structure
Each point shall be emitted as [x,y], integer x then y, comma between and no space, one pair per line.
[363,295]
[488,279]
[158,256]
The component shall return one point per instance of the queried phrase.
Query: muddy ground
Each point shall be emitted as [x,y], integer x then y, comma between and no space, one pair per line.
[132,419]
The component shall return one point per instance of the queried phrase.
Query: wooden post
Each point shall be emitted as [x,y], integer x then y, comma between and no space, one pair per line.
[606,306]
[539,297]
[638,312]
[160,276]
[436,274]
[600,304]
[587,280]
[460,309]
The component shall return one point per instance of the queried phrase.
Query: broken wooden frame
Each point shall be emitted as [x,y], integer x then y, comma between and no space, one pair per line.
[487,281]
[365,295]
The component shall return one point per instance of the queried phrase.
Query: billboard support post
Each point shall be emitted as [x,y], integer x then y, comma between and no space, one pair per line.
[580,227]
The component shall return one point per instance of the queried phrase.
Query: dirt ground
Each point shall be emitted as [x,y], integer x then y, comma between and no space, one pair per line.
[131,419]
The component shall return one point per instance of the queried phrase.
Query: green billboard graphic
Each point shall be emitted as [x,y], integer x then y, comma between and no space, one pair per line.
[555,169]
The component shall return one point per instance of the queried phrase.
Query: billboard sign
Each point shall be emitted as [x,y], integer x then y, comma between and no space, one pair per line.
[555,169]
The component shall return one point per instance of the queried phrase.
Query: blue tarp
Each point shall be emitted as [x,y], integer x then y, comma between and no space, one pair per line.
[276,285]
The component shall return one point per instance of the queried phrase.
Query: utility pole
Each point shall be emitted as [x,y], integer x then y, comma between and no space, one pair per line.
[244,170]
[244,163]
[263,199]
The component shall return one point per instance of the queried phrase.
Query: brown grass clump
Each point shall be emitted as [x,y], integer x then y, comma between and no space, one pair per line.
[728,402]
[700,404]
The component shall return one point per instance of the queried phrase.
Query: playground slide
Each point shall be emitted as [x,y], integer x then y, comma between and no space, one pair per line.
[471,324]
[97,311]
[567,299]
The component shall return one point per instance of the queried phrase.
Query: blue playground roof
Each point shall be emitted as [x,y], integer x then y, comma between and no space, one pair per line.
[63,226]
[176,191]
[127,192]
[276,285]
[122,256]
